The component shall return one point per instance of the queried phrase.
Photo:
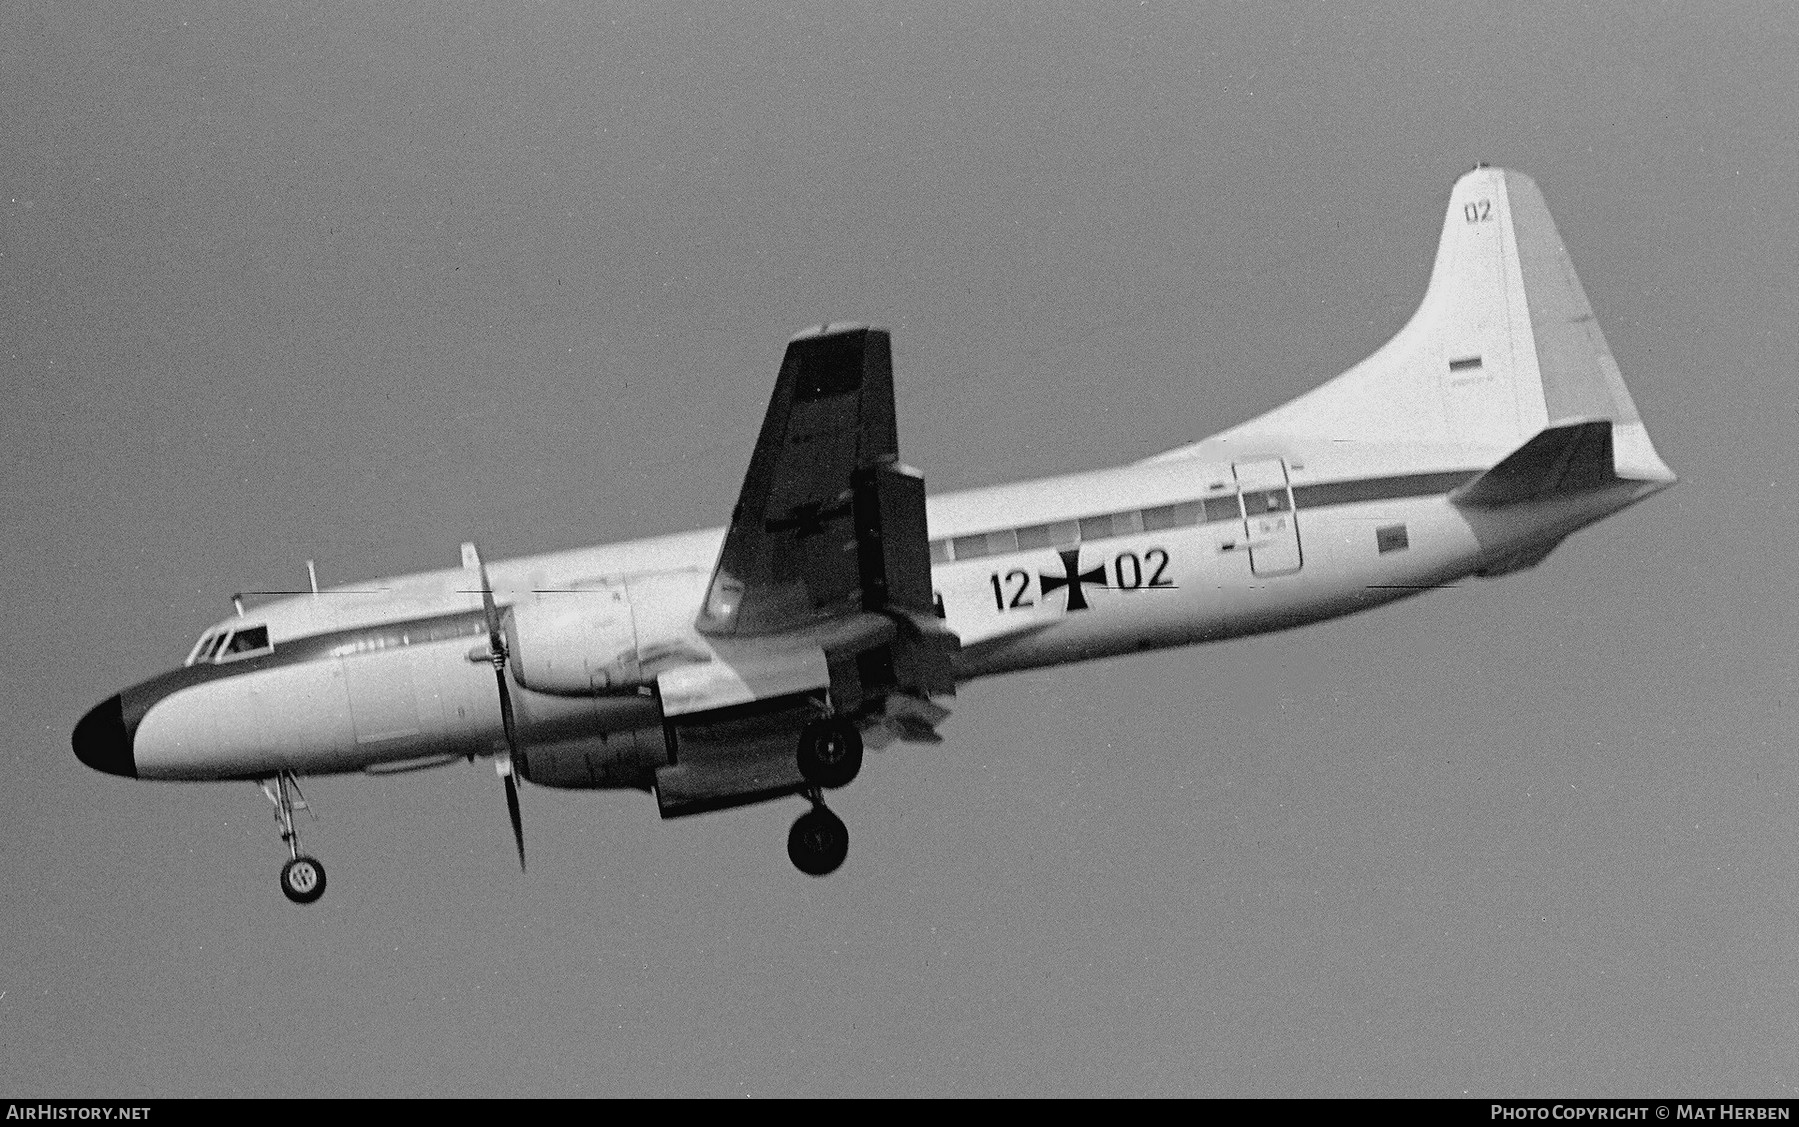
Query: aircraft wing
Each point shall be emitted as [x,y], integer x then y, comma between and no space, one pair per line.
[821,599]
[791,556]
[828,530]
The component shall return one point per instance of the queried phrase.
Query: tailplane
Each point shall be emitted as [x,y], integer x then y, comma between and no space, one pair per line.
[1569,458]
[1503,347]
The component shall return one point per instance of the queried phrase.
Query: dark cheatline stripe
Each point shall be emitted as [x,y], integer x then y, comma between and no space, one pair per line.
[136,701]
[1379,488]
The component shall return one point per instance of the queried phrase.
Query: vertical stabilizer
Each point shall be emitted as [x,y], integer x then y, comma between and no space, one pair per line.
[1503,346]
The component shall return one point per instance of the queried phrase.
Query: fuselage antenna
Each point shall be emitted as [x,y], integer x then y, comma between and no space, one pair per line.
[312,576]
[238,602]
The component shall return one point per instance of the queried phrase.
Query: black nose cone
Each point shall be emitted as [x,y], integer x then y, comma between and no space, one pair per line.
[102,742]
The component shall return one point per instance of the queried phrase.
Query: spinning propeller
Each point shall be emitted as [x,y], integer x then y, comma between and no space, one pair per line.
[496,648]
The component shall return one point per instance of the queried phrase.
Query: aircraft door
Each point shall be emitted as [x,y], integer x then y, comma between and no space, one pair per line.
[1268,517]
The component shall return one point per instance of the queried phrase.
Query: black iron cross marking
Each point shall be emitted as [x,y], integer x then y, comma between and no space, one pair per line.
[808,518]
[1075,579]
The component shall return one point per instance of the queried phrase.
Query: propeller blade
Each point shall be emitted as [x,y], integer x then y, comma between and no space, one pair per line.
[472,561]
[496,645]
[495,636]
[504,763]
[518,823]
[506,721]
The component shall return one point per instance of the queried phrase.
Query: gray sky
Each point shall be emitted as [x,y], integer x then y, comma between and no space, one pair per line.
[359,283]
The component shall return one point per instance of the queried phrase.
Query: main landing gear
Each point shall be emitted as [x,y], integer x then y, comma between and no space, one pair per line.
[830,752]
[302,878]
[830,756]
[818,841]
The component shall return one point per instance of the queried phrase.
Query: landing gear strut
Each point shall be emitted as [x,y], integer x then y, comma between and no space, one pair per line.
[818,841]
[302,878]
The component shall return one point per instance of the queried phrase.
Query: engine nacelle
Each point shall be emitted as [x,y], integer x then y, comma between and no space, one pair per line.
[577,643]
[623,758]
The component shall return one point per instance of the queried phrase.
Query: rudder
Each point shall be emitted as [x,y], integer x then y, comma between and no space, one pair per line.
[1577,375]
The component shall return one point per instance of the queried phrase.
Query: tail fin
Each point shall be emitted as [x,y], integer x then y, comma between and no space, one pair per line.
[1503,346]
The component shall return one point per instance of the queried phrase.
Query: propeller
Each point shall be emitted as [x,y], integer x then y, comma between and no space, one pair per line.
[496,648]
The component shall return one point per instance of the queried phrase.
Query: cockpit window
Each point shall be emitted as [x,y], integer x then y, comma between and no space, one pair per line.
[245,641]
[203,648]
[229,645]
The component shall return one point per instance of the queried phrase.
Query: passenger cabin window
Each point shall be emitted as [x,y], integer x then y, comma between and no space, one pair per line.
[969,547]
[1171,516]
[1271,501]
[1222,508]
[1096,528]
[1049,535]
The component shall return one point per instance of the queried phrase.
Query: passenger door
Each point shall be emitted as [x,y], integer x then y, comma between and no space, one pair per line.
[1268,517]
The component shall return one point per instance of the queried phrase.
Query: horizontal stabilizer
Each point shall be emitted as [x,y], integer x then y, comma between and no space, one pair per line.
[1568,458]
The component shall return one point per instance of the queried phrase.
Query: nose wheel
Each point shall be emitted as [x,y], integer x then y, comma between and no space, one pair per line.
[302,878]
[818,841]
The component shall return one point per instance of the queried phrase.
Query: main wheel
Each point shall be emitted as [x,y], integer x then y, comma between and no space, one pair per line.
[818,842]
[303,880]
[830,753]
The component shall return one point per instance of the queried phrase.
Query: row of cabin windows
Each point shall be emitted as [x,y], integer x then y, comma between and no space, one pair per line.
[1067,533]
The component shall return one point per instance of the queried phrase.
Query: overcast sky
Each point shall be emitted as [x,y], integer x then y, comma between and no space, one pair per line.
[357,283]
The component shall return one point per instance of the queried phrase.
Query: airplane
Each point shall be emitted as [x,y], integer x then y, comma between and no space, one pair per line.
[840,607]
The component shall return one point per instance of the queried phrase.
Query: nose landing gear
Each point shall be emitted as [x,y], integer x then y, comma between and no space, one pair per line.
[302,878]
[818,841]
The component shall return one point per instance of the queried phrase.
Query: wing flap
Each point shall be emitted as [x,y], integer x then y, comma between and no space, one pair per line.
[741,671]
[722,684]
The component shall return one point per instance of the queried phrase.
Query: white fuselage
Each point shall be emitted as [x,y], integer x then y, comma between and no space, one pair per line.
[1196,546]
